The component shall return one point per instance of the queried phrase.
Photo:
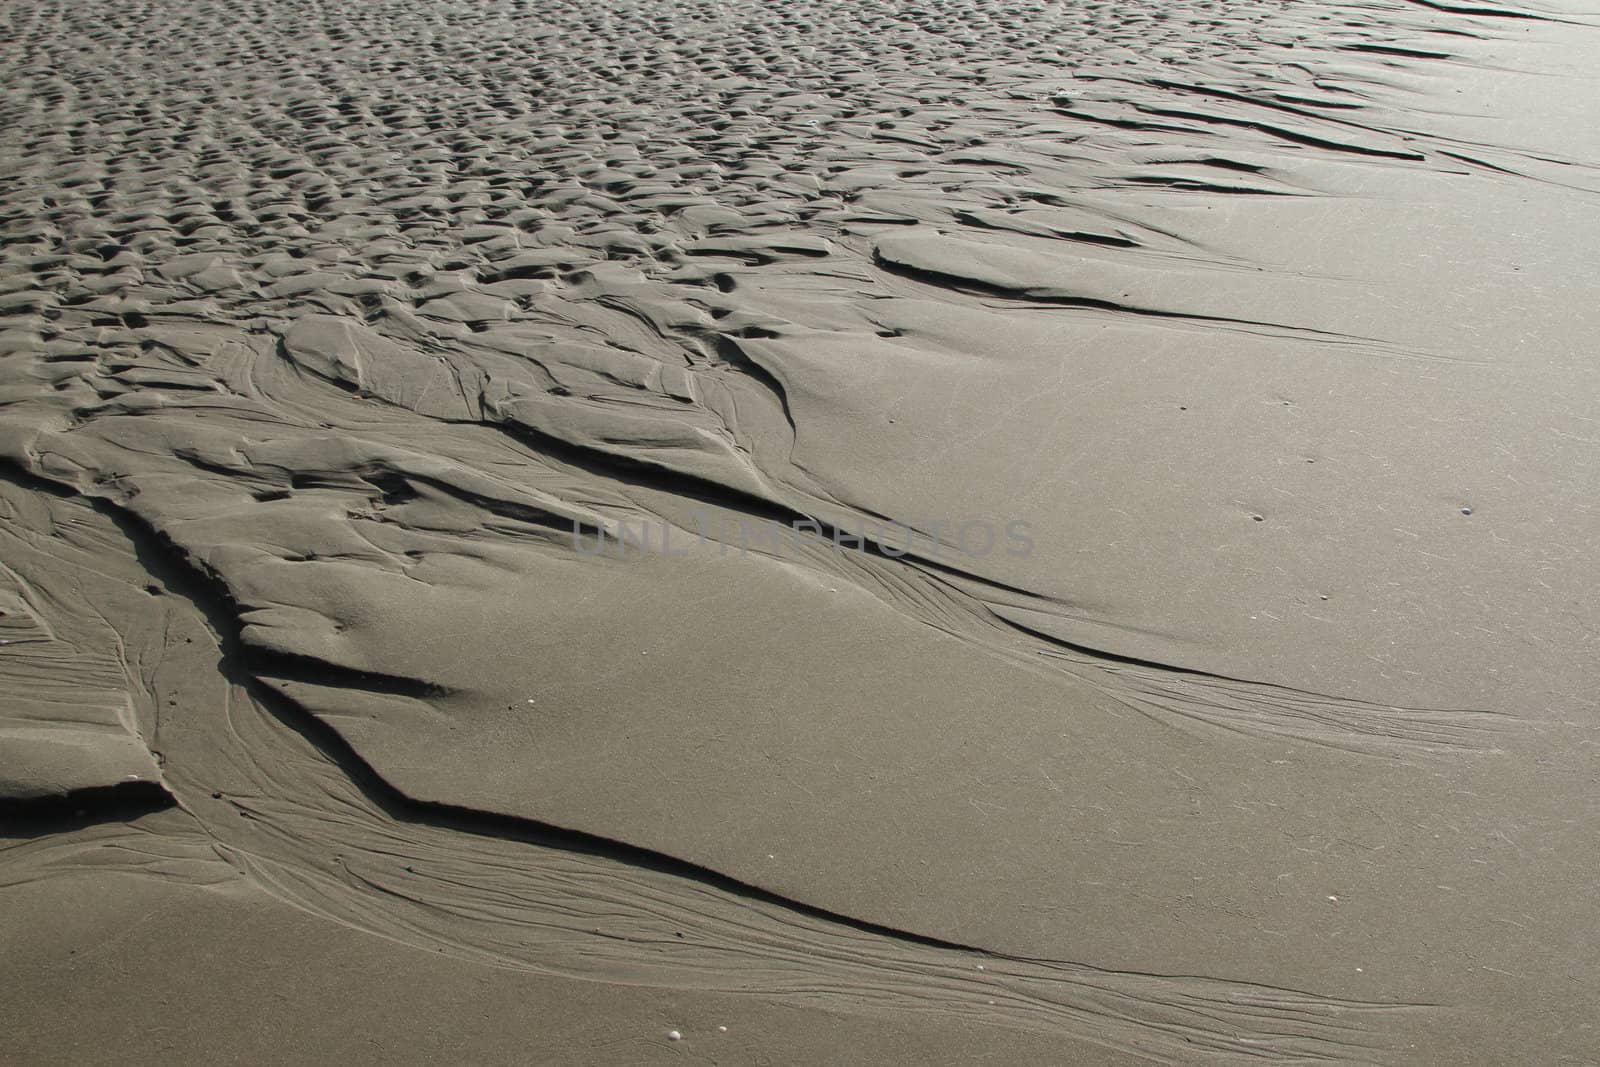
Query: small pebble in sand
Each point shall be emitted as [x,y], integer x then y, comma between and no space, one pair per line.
[673,1035]
[1466,511]
[722,1029]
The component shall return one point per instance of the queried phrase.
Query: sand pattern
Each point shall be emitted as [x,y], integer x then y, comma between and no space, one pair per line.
[480,233]
[329,335]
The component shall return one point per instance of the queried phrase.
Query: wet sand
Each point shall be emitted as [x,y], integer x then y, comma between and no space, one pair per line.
[1051,533]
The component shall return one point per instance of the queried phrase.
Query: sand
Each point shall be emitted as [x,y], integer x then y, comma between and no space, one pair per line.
[943,533]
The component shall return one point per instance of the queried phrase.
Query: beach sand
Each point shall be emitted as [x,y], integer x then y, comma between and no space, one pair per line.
[759,533]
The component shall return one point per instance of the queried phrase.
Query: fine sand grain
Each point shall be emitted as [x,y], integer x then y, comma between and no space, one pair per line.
[773,533]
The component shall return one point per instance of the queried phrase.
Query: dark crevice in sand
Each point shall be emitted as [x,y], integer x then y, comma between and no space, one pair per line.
[1485,12]
[403,808]
[1259,101]
[313,671]
[1134,661]
[1248,707]
[210,596]
[43,816]
[14,472]
[1105,240]
[978,287]
[1282,133]
[1480,163]
[1396,50]
[630,470]
[732,353]
[1116,123]
[510,509]
[1194,185]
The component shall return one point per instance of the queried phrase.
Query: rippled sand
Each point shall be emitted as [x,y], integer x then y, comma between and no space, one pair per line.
[850,532]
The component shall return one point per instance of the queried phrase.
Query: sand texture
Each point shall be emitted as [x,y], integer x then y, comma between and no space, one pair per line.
[758,532]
